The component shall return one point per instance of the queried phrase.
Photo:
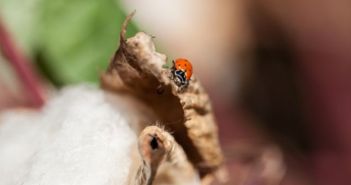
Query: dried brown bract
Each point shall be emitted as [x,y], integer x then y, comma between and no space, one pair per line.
[160,153]
[136,70]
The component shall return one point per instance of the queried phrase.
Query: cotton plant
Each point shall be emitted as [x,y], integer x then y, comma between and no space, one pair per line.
[136,128]
[70,41]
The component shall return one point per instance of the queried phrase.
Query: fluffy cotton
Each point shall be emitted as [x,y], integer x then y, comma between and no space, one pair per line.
[77,139]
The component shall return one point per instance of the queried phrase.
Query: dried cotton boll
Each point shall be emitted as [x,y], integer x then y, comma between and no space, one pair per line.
[87,136]
[78,138]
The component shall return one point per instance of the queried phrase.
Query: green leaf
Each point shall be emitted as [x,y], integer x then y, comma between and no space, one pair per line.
[70,41]
[76,38]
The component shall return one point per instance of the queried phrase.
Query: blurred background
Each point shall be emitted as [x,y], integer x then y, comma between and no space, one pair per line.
[278,72]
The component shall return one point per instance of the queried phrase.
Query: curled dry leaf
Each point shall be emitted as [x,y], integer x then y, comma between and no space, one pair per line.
[160,153]
[136,70]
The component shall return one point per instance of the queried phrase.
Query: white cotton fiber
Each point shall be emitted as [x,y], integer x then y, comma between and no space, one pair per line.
[77,139]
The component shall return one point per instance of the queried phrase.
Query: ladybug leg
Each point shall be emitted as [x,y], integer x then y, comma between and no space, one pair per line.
[171,74]
[186,83]
[172,71]
[182,87]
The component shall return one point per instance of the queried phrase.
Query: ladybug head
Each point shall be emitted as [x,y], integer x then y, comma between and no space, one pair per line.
[180,77]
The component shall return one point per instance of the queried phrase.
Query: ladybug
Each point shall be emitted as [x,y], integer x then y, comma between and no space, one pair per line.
[181,72]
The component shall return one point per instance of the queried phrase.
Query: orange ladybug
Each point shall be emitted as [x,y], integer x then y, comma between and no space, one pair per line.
[182,70]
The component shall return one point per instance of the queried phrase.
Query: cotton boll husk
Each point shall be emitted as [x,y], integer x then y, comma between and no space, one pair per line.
[77,138]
